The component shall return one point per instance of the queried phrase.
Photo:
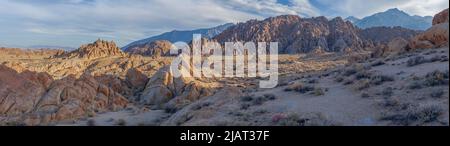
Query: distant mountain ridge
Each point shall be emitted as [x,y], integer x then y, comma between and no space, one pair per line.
[185,36]
[393,17]
[352,19]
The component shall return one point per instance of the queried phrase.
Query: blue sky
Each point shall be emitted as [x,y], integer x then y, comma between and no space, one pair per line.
[70,23]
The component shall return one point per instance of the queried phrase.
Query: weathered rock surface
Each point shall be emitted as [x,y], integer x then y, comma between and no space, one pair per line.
[156,48]
[394,47]
[163,88]
[434,37]
[297,35]
[98,49]
[35,98]
[441,17]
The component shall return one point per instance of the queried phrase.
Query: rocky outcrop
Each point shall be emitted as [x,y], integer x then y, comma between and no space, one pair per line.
[441,17]
[156,48]
[394,47]
[98,49]
[297,35]
[434,37]
[383,35]
[165,90]
[37,99]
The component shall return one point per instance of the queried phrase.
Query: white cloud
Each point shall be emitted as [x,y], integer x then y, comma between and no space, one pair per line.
[130,20]
[125,20]
[362,8]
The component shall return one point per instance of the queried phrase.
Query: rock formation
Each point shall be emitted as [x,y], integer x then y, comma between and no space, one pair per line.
[434,37]
[297,35]
[441,17]
[156,48]
[98,49]
[36,99]
[163,88]
[396,46]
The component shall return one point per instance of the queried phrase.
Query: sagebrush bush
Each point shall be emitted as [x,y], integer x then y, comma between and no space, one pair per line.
[121,122]
[378,63]
[363,84]
[311,119]
[387,91]
[380,79]
[438,93]
[416,61]
[415,85]
[319,92]
[415,115]
[299,88]
[339,79]
[91,122]
[436,78]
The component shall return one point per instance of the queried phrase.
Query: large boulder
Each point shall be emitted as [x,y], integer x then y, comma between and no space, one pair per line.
[163,88]
[434,37]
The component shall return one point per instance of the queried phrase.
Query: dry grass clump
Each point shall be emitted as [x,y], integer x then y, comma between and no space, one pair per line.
[417,115]
[310,119]
[251,100]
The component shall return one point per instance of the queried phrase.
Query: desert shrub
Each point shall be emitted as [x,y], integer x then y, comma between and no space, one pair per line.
[91,122]
[121,122]
[387,91]
[415,85]
[245,106]
[339,79]
[363,84]
[418,115]
[259,100]
[246,98]
[391,102]
[435,58]
[378,63]
[349,71]
[200,105]
[416,61]
[313,81]
[319,92]
[310,119]
[444,58]
[365,95]
[299,88]
[437,93]
[270,96]
[348,81]
[380,79]
[363,75]
[436,78]
[170,109]
[12,123]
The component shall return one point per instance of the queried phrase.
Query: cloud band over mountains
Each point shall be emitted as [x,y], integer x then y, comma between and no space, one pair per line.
[73,22]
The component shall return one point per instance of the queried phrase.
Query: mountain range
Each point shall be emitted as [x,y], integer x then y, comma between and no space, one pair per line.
[184,36]
[393,17]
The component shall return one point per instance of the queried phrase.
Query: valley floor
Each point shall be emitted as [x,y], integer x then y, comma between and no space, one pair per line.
[369,93]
